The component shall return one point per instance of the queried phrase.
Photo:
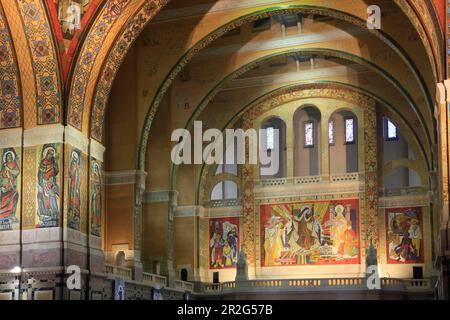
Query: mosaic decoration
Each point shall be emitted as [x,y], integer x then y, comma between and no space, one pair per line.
[48,186]
[10,189]
[10,90]
[317,233]
[89,52]
[44,61]
[371,176]
[223,242]
[69,19]
[30,156]
[404,235]
[74,192]
[96,198]
[248,201]
[114,60]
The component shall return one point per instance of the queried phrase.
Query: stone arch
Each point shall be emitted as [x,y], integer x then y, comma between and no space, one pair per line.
[103,87]
[243,69]
[39,67]
[291,93]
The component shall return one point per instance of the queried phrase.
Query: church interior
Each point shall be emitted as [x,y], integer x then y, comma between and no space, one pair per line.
[91,92]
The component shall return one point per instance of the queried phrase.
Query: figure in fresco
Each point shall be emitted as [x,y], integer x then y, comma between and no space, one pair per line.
[232,239]
[305,235]
[74,201]
[415,233]
[339,226]
[404,235]
[318,229]
[227,255]
[48,187]
[405,250]
[9,194]
[310,233]
[223,242]
[349,244]
[96,200]
[217,244]
[273,244]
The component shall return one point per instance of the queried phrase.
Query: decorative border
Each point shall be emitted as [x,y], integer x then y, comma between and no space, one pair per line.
[114,60]
[44,61]
[11,105]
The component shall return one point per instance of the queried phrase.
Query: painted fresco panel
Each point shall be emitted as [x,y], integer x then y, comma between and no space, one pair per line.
[223,242]
[74,200]
[310,233]
[96,197]
[404,235]
[10,189]
[48,186]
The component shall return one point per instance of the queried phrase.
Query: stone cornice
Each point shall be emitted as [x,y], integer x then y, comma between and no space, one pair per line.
[126,177]
[76,139]
[52,133]
[161,196]
[97,150]
[11,138]
[421,200]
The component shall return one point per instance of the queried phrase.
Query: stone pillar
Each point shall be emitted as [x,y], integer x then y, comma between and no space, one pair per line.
[443,253]
[97,204]
[324,144]
[76,200]
[126,190]
[290,161]
[248,175]
[42,207]
[11,155]
[173,198]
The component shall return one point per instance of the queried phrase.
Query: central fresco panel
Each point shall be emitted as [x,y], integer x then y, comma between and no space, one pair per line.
[310,233]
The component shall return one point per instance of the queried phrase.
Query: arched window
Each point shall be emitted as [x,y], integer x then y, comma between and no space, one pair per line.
[343,142]
[271,142]
[393,142]
[307,141]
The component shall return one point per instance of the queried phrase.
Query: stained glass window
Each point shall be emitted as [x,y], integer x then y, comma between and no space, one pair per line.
[270,138]
[331,132]
[309,134]
[391,130]
[349,130]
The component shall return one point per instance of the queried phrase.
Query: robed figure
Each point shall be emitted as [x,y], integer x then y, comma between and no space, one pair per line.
[74,191]
[96,201]
[9,195]
[48,188]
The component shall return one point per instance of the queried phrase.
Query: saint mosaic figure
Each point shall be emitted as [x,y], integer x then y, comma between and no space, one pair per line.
[96,199]
[9,193]
[48,188]
[74,196]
